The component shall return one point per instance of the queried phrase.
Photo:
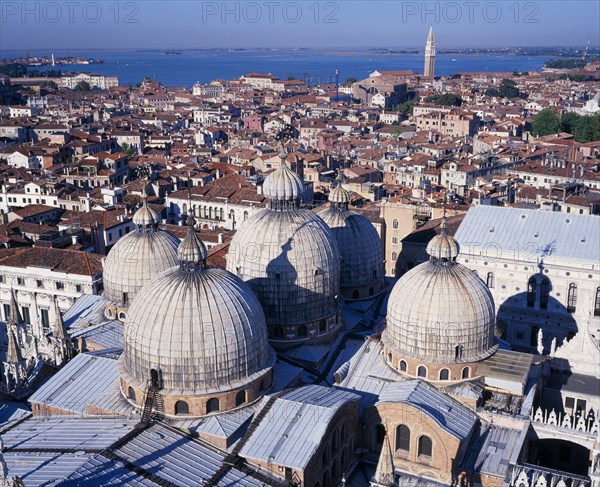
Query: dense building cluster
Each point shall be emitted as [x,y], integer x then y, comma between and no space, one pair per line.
[257,282]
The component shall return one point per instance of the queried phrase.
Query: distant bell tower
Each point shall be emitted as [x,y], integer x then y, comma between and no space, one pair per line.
[429,70]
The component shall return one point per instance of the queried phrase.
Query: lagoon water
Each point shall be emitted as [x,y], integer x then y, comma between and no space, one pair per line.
[185,67]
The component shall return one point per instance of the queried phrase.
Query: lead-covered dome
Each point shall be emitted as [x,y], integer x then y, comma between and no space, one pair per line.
[441,311]
[362,272]
[290,259]
[201,329]
[283,184]
[136,258]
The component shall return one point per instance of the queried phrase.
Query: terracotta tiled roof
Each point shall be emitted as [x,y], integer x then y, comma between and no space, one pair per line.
[59,260]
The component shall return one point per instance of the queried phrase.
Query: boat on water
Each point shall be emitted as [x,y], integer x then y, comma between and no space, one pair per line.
[172,52]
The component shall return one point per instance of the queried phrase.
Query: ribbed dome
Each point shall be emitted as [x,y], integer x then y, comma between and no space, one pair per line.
[360,247]
[290,259]
[192,250]
[135,259]
[204,330]
[339,195]
[437,307]
[146,216]
[443,246]
[283,184]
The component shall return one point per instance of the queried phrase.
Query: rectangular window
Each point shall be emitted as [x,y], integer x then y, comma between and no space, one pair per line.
[60,285]
[45,320]
[25,314]
[2,278]
[39,283]
[20,281]
[78,288]
[6,311]
[569,402]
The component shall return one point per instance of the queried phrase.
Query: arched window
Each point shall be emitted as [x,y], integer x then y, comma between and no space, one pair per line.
[402,366]
[572,298]
[240,398]
[334,470]
[402,438]
[444,374]
[325,456]
[422,371]
[181,407]
[184,209]
[122,316]
[531,292]
[371,291]
[278,332]
[344,457]
[343,433]
[325,478]
[261,386]
[597,302]
[212,405]
[458,350]
[355,294]
[131,393]
[490,280]
[302,331]
[465,373]
[245,215]
[154,378]
[322,326]
[545,293]
[395,224]
[394,256]
[425,447]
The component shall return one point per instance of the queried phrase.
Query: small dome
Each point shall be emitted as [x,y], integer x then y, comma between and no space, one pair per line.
[361,251]
[439,306]
[138,257]
[339,195]
[283,184]
[290,259]
[146,216]
[203,329]
[443,246]
[192,250]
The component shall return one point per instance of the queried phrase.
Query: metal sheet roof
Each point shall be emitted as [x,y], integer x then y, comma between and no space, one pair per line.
[43,469]
[177,458]
[491,450]
[529,234]
[295,426]
[83,381]
[88,308]
[102,471]
[65,434]
[448,413]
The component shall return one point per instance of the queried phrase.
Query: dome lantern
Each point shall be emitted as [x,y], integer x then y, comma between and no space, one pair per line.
[339,197]
[443,247]
[192,252]
[283,187]
[145,218]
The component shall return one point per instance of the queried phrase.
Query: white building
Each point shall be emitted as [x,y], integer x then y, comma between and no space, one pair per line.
[542,268]
[43,279]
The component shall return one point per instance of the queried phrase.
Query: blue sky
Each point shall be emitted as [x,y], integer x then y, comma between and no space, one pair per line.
[110,24]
